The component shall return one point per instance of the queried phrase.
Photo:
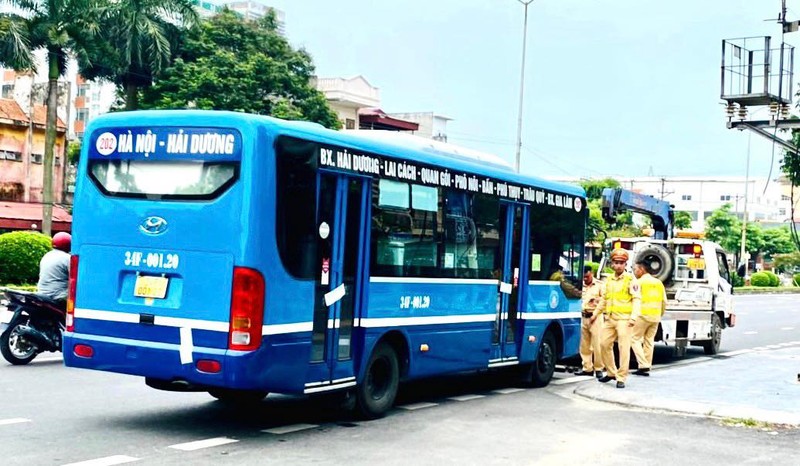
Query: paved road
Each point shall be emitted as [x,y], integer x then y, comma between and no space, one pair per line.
[51,415]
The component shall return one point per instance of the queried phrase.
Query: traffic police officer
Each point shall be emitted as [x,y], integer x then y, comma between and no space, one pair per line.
[591,332]
[620,305]
[654,303]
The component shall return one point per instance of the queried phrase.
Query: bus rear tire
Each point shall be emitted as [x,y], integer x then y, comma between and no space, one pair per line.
[541,371]
[376,393]
[238,397]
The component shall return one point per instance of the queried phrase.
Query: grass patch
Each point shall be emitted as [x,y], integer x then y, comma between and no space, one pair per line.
[766,290]
[749,423]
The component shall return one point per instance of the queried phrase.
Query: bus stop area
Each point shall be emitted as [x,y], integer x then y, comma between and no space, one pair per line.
[762,384]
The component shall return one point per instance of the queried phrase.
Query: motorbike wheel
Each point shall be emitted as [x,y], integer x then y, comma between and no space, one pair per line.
[14,349]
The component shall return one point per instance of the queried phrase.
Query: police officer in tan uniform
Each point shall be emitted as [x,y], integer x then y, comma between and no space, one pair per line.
[620,307]
[654,303]
[591,358]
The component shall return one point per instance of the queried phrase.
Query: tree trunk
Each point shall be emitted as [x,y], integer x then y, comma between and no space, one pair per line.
[131,96]
[50,142]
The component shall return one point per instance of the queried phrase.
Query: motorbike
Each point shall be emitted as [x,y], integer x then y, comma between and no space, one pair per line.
[35,326]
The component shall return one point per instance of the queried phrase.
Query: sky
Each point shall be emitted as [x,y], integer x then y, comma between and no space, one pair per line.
[618,88]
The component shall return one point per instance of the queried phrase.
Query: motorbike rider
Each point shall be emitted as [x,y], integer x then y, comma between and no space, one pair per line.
[54,270]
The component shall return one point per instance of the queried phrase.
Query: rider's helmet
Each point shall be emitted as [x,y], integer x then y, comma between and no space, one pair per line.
[62,241]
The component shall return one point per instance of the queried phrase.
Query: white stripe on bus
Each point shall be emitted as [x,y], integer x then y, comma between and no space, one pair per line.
[277,329]
[436,281]
[371,322]
[549,315]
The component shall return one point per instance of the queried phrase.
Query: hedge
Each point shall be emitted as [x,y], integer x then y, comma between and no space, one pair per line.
[797,279]
[760,279]
[20,253]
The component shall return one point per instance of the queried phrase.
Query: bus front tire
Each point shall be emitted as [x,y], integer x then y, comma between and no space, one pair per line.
[376,393]
[541,371]
[239,397]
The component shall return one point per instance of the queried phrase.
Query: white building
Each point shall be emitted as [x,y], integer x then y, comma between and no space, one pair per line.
[700,196]
[431,125]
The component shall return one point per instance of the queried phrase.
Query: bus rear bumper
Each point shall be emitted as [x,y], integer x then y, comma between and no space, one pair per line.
[161,365]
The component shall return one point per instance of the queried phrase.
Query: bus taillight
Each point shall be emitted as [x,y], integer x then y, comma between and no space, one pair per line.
[247,309]
[71,291]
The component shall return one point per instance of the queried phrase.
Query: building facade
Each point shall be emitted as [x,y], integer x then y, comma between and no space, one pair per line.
[22,154]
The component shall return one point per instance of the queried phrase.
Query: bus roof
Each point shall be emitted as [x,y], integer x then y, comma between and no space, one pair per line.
[399,146]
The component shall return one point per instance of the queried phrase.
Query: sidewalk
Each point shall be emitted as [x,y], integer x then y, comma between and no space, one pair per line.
[759,385]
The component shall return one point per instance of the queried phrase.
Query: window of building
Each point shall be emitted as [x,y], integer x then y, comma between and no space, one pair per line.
[686,197]
[82,90]
[82,114]
[349,123]
[7,91]
[37,158]
[57,161]
[707,214]
[11,155]
[781,211]
[784,197]
[693,214]
[725,197]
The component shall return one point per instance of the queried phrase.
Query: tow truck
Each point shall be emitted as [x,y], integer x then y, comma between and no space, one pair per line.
[694,271]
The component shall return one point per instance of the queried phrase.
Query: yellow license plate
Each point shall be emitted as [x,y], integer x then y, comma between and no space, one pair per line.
[150,287]
[695,263]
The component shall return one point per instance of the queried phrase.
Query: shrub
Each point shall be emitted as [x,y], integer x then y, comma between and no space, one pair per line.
[593,265]
[797,279]
[20,253]
[774,280]
[760,279]
[737,280]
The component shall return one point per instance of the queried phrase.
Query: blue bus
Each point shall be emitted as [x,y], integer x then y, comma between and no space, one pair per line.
[243,255]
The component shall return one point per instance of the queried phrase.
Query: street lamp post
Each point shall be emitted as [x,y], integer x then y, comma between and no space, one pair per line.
[522,83]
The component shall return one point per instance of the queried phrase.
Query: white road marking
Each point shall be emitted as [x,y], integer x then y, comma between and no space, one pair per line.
[566,381]
[787,328]
[750,333]
[773,346]
[415,406]
[466,397]
[289,429]
[736,353]
[107,461]
[208,443]
[760,348]
[15,420]
[49,358]
[508,391]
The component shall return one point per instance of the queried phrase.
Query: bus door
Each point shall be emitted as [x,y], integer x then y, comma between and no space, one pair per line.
[341,254]
[512,275]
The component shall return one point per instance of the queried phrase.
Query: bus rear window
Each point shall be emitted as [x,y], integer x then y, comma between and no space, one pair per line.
[163,179]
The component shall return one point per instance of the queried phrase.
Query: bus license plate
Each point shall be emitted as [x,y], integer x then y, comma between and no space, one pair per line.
[150,287]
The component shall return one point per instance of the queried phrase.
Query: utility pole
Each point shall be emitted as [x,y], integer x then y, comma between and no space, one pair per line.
[522,83]
[744,217]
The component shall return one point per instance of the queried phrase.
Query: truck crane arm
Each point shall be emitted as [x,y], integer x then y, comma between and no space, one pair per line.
[618,200]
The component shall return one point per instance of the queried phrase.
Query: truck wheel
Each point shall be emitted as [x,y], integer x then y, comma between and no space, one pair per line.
[238,397]
[14,348]
[539,374]
[659,259]
[712,346]
[376,393]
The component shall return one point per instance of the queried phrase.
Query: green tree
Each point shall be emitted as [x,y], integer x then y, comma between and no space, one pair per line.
[790,165]
[724,228]
[229,63]
[73,152]
[137,41]
[683,219]
[59,27]
[594,188]
[778,241]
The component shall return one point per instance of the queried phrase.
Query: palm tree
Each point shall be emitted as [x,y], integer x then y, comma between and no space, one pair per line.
[139,38]
[59,27]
